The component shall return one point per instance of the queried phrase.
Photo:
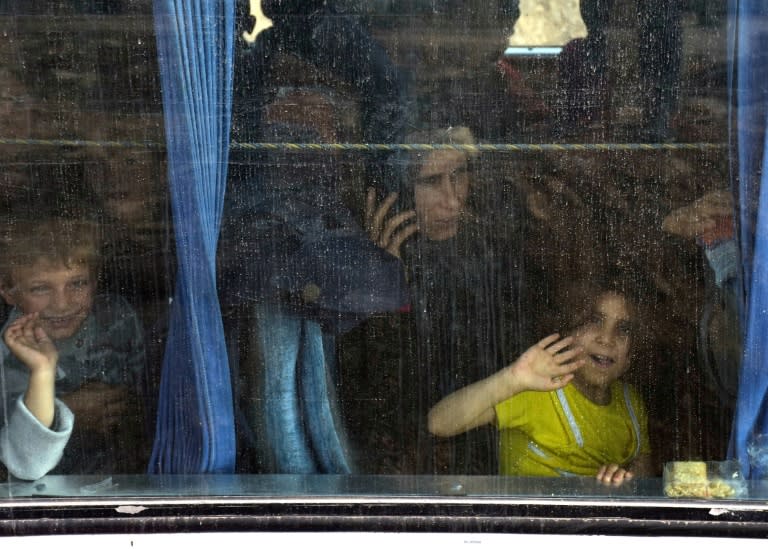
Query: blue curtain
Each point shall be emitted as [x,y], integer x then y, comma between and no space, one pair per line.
[195,423]
[748,47]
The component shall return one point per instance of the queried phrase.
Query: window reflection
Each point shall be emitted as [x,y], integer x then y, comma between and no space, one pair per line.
[418,269]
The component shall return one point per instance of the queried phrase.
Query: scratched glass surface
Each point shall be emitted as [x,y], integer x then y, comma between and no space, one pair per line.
[414,194]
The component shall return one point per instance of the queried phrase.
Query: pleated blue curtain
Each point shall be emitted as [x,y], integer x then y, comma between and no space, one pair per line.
[748,47]
[195,425]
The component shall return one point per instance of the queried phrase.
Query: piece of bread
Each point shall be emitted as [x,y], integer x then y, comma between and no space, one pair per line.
[686,472]
[690,479]
[687,479]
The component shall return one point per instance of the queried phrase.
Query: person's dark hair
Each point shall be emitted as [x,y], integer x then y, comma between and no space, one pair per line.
[576,301]
[60,240]
[452,135]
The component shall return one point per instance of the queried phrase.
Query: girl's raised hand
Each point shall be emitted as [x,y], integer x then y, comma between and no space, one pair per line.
[547,365]
[388,234]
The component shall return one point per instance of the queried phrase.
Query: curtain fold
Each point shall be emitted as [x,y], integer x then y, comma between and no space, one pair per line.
[195,425]
[748,53]
[297,414]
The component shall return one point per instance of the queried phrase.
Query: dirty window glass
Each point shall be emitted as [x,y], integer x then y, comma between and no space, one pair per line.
[402,239]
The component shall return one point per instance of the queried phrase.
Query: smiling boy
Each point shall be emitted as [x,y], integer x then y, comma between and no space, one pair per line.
[63,340]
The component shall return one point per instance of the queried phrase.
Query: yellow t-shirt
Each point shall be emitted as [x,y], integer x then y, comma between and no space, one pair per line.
[564,433]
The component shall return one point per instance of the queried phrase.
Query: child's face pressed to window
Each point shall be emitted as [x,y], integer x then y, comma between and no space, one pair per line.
[62,295]
[605,339]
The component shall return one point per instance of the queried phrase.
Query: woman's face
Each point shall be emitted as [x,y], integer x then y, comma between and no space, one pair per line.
[440,193]
[605,339]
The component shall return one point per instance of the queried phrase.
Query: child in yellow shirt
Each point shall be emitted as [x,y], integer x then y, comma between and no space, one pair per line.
[560,407]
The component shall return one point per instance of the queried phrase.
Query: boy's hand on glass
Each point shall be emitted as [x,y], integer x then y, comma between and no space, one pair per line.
[388,234]
[613,474]
[31,345]
[548,365]
[99,406]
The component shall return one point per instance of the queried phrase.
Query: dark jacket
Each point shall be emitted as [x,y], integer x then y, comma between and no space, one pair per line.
[462,325]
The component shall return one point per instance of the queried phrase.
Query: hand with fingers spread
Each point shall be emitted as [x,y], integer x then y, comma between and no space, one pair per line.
[546,366]
[388,233]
